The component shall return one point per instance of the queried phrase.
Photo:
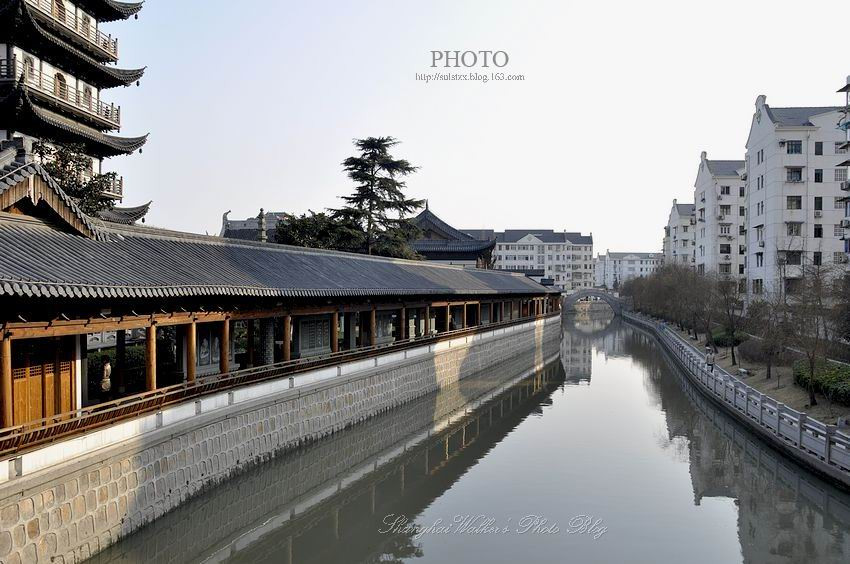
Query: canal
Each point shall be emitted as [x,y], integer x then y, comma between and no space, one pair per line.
[606,455]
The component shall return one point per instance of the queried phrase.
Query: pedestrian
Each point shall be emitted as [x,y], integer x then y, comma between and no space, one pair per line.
[106,380]
[709,359]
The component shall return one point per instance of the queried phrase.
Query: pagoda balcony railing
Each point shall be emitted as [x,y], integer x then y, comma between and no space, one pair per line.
[83,27]
[115,189]
[60,91]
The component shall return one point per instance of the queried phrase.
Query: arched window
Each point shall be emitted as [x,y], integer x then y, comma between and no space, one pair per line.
[60,87]
[59,10]
[29,69]
[87,97]
[85,26]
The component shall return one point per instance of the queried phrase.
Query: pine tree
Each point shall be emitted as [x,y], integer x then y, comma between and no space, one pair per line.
[378,208]
[69,166]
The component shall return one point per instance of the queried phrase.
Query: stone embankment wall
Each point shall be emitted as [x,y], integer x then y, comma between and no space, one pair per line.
[72,510]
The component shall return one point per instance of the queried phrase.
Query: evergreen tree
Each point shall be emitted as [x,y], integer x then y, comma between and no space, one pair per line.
[72,170]
[376,212]
[318,231]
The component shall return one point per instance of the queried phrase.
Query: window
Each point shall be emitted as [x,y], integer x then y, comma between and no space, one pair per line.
[759,259]
[60,87]
[740,269]
[816,258]
[59,10]
[794,147]
[818,175]
[818,202]
[838,149]
[725,268]
[837,230]
[87,97]
[840,174]
[794,202]
[725,210]
[29,69]
[742,211]
[838,204]
[758,286]
[725,249]
[818,231]
[742,191]
[794,258]
[818,147]
[794,175]
[794,229]
[725,229]
[85,26]
[724,190]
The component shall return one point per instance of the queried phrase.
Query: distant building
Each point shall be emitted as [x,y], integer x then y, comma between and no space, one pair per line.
[564,258]
[612,269]
[440,242]
[842,149]
[679,235]
[720,202]
[249,229]
[795,202]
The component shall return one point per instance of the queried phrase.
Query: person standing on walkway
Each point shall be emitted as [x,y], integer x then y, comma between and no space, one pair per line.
[709,359]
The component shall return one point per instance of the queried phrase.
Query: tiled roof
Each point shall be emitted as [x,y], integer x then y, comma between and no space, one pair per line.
[796,116]
[724,168]
[125,216]
[18,103]
[428,220]
[111,10]
[442,245]
[638,255]
[86,67]
[545,235]
[143,262]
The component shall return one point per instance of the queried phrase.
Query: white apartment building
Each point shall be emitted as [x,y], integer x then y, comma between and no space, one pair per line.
[720,204]
[794,201]
[565,258]
[678,245]
[842,149]
[611,270]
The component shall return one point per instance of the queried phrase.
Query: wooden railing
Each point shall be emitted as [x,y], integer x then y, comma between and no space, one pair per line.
[59,90]
[35,433]
[83,27]
[823,446]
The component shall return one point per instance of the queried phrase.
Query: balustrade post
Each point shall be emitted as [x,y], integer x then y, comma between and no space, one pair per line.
[801,420]
[827,452]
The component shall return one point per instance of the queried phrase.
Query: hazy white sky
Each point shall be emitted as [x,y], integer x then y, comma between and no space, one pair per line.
[254,104]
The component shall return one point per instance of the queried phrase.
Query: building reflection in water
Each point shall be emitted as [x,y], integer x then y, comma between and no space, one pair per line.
[327,502]
[785,513]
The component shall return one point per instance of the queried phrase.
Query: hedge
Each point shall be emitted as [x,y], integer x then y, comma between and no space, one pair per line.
[723,339]
[831,379]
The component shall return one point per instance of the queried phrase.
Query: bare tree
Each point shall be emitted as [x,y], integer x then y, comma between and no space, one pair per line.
[730,305]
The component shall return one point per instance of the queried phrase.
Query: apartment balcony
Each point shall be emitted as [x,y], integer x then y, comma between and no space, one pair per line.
[58,92]
[81,30]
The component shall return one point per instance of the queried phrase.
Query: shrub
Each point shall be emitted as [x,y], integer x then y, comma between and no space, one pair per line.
[831,379]
[723,339]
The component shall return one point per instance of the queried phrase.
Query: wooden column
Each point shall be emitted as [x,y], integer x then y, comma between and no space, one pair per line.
[402,317]
[373,327]
[287,337]
[448,317]
[463,317]
[191,351]
[492,312]
[335,332]
[224,343]
[6,380]
[250,345]
[478,314]
[427,320]
[150,358]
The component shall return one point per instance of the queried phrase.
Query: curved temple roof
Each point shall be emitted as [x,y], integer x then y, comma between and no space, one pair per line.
[142,262]
[111,10]
[125,215]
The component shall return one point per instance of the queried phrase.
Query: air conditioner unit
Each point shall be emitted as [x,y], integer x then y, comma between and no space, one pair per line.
[842,259]
[782,142]
[727,257]
[761,243]
[845,185]
[721,217]
[818,213]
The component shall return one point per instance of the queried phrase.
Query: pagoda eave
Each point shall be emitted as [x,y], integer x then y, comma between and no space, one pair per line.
[111,10]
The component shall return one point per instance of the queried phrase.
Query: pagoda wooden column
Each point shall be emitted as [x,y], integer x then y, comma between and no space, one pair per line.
[448,318]
[463,317]
[224,343]
[287,338]
[373,327]
[402,318]
[191,351]
[120,368]
[250,344]
[150,358]
[335,332]
[6,380]
[427,320]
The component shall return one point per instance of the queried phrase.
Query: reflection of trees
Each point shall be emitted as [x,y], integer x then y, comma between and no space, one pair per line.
[785,514]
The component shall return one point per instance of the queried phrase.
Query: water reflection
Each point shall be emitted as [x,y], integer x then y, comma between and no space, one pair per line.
[609,430]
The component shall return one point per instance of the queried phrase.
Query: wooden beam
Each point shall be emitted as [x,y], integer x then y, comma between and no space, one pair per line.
[287,338]
[6,380]
[335,332]
[150,358]
[191,351]
[373,327]
[224,342]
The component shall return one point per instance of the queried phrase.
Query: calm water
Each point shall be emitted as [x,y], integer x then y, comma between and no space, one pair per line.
[604,456]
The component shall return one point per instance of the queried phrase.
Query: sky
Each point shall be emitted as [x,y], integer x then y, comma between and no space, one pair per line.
[255,104]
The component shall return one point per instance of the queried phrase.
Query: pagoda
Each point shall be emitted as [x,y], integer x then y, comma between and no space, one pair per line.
[56,64]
